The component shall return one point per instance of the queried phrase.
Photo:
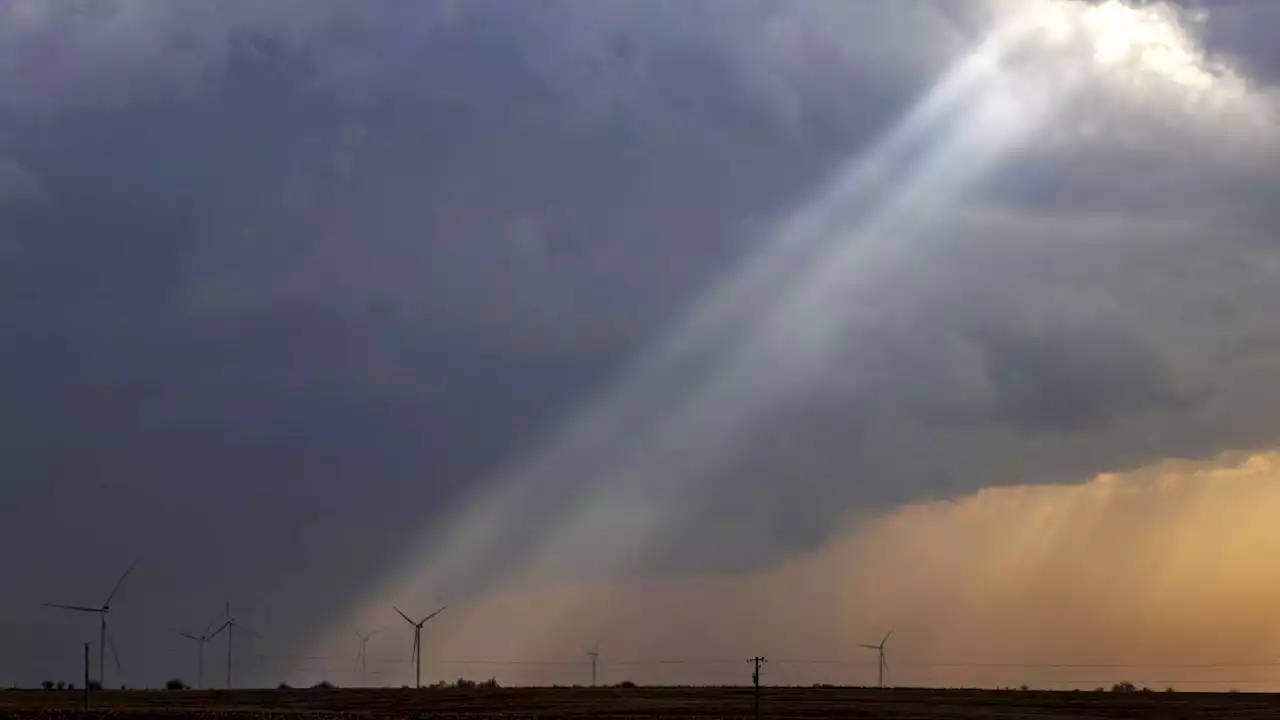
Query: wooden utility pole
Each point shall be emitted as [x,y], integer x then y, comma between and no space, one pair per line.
[756,662]
[86,677]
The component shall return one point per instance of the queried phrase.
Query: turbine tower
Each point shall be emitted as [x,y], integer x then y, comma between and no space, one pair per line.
[880,653]
[230,625]
[102,612]
[363,656]
[416,658]
[204,637]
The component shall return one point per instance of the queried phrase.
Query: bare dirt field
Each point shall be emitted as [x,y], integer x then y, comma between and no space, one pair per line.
[511,704]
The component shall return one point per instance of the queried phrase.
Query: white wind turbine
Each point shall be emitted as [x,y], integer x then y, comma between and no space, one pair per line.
[417,640]
[103,637]
[363,656]
[594,652]
[230,625]
[880,654]
[204,637]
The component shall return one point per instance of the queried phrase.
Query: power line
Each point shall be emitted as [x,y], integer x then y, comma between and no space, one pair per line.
[820,661]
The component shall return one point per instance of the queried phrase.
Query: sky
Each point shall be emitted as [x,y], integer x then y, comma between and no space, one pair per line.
[697,329]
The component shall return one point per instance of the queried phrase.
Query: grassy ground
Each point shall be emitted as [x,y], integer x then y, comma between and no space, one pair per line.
[510,704]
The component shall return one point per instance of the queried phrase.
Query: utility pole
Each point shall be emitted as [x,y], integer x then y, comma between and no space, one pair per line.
[757,661]
[86,677]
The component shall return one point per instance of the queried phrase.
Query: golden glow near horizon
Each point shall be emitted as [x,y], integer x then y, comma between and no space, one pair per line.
[1161,576]
[1156,566]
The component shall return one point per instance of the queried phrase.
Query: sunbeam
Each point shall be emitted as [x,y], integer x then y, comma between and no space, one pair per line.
[639,462]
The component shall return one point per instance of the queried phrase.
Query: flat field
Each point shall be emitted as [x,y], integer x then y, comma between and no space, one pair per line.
[512,704]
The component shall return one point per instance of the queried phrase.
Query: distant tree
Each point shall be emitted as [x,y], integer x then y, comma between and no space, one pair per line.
[47,684]
[1168,689]
[71,686]
[1124,687]
[626,684]
[62,684]
[324,685]
[124,687]
[1099,689]
[1024,688]
[490,684]
[464,684]
[95,686]
[176,684]
[284,686]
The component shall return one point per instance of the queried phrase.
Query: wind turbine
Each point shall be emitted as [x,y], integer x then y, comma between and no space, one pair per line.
[204,637]
[417,639]
[363,657]
[102,612]
[230,626]
[595,656]
[880,650]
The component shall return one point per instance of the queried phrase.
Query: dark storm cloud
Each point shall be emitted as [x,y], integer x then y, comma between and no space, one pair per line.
[282,285]
[294,287]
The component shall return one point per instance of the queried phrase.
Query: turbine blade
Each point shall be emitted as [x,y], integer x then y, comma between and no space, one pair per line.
[886,636]
[190,637]
[244,629]
[375,632]
[425,619]
[77,608]
[869,647]
[120,582]
[215,634]
[406,617]
[111,643]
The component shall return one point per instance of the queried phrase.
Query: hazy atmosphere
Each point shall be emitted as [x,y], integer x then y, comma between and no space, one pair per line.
[694,329]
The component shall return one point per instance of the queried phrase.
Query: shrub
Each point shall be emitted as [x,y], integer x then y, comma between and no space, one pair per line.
[176,684]
[324,685]
[626,684]
[1124,687]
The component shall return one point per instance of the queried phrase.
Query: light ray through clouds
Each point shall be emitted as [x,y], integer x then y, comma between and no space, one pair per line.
[632,464]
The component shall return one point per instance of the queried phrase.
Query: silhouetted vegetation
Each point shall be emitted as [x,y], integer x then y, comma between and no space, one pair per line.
[284,686]
[62,685]
[176,684]
[1124,687]
[625,684]
[94,685]
[47,684]
[465,684]
[324,685]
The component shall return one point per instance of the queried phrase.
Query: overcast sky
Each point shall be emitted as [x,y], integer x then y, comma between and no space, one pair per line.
[314,305]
